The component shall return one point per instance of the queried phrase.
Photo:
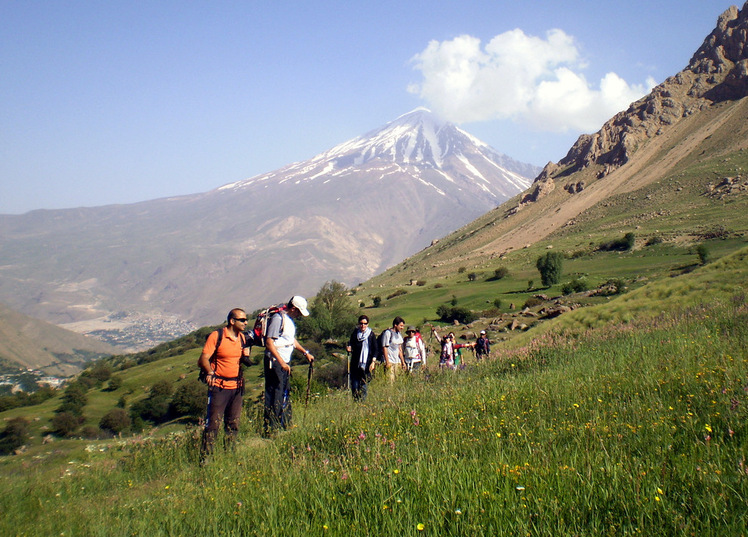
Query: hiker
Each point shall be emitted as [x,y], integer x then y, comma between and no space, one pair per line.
[391,341]
[280,342]
[447,356]
[363,349]
[220,362]
[482,346]
[414,349]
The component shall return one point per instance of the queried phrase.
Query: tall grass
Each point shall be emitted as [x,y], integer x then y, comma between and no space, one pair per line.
[640,429]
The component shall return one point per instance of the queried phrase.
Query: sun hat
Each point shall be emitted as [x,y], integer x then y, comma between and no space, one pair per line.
[299,302]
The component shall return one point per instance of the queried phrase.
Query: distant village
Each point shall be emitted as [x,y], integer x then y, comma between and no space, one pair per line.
[28,380]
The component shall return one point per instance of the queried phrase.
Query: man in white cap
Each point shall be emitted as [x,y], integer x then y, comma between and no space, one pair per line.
[482,346]
[280,343]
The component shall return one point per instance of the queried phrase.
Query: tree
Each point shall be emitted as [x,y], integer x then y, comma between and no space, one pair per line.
[550,267]
[331,314]
[74,399]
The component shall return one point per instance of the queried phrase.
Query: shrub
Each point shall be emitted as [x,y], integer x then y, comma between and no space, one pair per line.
[703,252]
[532,302]
[617,285]
[575,286]
[472,276]
[397,293]
[65,423]
[154,408]
[449,314]
[652,241]
[15,434]
[501,272]
[115,383]
[619,245]
[115,421]
[497,303]
[421,283]
[377,301]
[189,400]
[550,266]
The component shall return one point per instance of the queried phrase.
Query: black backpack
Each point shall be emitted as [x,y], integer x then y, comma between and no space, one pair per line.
[380,344]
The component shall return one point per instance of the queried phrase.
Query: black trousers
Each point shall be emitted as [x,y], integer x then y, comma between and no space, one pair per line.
[277,396]
[222,404]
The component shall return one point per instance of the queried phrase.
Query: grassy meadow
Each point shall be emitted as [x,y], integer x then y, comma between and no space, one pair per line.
[636,424]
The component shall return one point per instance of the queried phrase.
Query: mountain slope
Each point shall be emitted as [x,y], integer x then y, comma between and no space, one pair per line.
[35,344]
[672,166]
[147,272]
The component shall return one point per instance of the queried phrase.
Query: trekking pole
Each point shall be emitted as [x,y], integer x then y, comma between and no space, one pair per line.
[308,382]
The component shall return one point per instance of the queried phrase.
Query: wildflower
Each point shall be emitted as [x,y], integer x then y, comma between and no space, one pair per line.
[324,527]
[362,436]
[708,428]
[458,511]
[397,471]
[420,526]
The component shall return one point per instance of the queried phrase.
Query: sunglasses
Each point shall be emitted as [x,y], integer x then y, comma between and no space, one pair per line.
[244,320]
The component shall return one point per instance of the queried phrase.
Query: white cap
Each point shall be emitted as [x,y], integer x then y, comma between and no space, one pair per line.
[299,302]
[482,331]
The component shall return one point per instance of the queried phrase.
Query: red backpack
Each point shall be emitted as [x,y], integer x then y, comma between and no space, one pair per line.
[256,336]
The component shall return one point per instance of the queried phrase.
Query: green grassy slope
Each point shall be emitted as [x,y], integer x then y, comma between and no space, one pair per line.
[639,427]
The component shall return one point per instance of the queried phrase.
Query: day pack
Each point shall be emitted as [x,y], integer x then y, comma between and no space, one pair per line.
[256,336]
[380,344]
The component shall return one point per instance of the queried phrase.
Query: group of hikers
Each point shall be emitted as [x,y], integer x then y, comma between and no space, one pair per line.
[397,353]
[227,348]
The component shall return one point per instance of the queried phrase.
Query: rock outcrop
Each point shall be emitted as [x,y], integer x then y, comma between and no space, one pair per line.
[718,71]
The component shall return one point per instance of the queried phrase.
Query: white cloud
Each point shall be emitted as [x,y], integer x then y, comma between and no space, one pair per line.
[528,79]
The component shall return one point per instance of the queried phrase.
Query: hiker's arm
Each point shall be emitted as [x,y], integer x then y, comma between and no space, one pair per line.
[303,351]
[204,361]
[402,358]
[273,350]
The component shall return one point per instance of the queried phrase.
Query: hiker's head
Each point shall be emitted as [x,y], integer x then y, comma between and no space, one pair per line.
[482,332]
[398,323]
[451,335]
[297,306]
[237,318]
[363,323]
[411,331]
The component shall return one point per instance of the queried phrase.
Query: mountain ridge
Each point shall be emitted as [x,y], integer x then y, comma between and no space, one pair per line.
[161,268]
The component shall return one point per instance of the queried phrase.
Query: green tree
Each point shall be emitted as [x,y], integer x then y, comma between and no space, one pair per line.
[550,267]
[332,314]
[74,399]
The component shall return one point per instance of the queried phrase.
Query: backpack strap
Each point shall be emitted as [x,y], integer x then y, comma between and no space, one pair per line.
[215,354]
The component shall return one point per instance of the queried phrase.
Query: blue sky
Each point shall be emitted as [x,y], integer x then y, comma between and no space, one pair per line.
[118,102]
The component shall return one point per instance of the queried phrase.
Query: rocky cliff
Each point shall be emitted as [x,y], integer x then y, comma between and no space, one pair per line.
[717,72]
